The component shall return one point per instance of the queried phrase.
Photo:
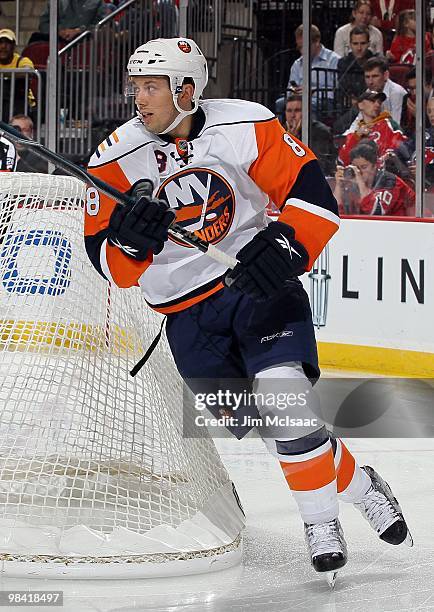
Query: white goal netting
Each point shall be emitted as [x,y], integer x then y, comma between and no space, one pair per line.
[99,474]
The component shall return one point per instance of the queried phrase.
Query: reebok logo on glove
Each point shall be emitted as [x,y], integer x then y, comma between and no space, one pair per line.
[284,243]
[267,262]
[123,247]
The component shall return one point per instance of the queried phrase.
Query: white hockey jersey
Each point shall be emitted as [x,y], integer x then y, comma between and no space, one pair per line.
[219,182]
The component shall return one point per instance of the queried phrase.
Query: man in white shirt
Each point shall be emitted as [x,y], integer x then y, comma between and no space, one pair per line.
[377,78]
[361,18]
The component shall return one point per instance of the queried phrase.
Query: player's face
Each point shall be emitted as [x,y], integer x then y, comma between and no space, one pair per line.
[362,16]
[293,114]
[375,79]
[367,170]
[6,50]
[359,44]
[430,110]
[154,100]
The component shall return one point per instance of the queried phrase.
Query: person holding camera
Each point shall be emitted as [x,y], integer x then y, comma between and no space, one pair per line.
[365,187]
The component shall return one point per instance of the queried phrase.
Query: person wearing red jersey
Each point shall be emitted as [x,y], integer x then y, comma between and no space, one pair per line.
[372,124]
[215,165]
[403,47]
[373,190]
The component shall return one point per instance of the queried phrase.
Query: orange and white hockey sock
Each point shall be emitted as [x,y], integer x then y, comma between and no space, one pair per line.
[352,481]
[310,474]
[307,462]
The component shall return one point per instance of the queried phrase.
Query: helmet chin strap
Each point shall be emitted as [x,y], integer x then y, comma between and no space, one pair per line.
[180,116]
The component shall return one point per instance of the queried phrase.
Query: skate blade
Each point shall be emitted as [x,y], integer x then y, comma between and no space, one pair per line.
[409,539]
[331,579]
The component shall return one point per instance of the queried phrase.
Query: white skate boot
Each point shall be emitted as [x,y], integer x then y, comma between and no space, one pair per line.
[327,547]
[383,512]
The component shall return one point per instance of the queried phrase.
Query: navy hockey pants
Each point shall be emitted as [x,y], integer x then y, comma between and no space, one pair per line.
[229,336]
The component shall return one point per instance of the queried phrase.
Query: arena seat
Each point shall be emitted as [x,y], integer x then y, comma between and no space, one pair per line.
[38,52]
[398,73]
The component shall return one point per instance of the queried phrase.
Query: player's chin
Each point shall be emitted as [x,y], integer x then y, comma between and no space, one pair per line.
[150,125]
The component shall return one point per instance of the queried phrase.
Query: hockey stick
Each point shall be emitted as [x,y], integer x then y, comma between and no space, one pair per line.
[142,188]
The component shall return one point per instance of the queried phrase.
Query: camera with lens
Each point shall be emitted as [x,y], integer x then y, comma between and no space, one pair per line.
[349,172]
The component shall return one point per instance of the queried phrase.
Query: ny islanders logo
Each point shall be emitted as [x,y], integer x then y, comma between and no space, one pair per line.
[204,203]
[184,46]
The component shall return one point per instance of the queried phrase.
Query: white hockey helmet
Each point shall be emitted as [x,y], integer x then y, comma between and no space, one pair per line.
[176,58]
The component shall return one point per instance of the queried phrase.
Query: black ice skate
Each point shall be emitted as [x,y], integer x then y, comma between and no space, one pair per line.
[382,510]
[327,547]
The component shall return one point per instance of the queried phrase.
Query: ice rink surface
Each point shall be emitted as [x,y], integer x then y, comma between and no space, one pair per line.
[275,575]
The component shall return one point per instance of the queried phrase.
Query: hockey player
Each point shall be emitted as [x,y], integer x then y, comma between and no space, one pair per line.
[215,164]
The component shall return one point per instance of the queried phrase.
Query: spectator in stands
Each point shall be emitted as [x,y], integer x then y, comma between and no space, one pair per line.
[385,12]
[372,124]
[408,116]
[321,141]
[321,58]
[428,85]
[351,68]
[429,143]
[75,16]
[364,187]
[403,47]
[9,60]
[27,161]
[409,147]
[377,79]
[360,18]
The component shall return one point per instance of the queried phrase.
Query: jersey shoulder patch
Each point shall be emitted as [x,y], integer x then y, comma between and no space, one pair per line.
[228,112]
[124,140]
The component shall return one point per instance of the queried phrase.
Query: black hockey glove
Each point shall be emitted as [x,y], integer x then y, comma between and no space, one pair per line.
[140,228]
[267,262]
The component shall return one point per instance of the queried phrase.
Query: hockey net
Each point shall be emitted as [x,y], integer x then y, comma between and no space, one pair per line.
[100,474]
